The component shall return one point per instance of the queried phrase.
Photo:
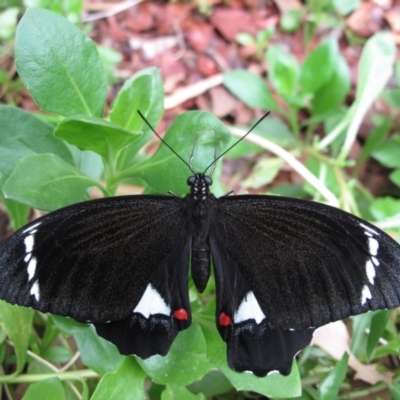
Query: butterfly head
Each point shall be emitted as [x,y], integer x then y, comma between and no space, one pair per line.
[199,185]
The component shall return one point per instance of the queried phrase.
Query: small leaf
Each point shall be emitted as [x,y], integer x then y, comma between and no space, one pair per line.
[126,383]
[378,323]
[384,207]
[388,153]
[271,129]
[17,322]
[291,20]
[345,7]
[392,97]
[250,89]
[330,386]
[395,177]
[375,69]
[180,393]
[48,389]
[18,213]
[319,66]
[332,93]
[95,134]
[97,353]
[211,384]
[143,92]
[283,71]
[263,173]
[46,182]
[245,39]
[375,139]
[186,361]
[22,134]
[59,65]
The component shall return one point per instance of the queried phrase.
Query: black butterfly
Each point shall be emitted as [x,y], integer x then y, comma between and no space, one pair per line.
[283,267]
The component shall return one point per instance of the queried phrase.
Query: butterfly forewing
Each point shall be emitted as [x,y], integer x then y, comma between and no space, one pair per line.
[93,261]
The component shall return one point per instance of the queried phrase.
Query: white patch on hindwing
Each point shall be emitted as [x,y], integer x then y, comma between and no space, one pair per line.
[152,303]
[365,294]
[35,291]
[249,309]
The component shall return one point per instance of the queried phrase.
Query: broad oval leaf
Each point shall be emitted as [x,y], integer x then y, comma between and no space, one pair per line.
[22,134]
[46,182]
[283,71]
[126,383]
[59,65]
[17,322]
[95,134]
[250,89]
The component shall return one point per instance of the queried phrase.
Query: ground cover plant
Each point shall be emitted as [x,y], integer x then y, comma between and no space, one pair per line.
[82,147]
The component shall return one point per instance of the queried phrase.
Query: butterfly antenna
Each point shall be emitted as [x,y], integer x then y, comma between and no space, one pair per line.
[148,124]
[238,141]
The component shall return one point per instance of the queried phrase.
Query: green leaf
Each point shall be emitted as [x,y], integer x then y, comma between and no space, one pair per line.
[143,92]
[211,384]
[395,391]
[250,89]
[378,323]
[245,39]
[195,134]
[46,182]
[8,22]
[263,173]
[48,389]
[319,66]
[384,207]
[17,322]
[375,138]
[291,20]
[185,362]
[358,342]
[95,134]
[395,177]
[70,9]
[126,383]
[332,93]
[330,386]
[18,213]
[271,129]
[388,153]
[22,134]
[283,71]
[59,65]
[392,97]
[97,353]
[345,7]
[180,393]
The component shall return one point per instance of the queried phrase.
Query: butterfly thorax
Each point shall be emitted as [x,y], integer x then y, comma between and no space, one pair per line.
[201,216]
[199,186]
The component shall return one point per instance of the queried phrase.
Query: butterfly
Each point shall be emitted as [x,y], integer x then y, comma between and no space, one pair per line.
[283,267]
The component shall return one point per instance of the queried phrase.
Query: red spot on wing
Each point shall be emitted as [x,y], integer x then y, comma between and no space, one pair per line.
[224,320]
[181,314]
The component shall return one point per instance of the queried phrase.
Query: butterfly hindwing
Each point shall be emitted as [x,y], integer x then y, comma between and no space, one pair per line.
[253,343]
[95,261]
[307,263]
